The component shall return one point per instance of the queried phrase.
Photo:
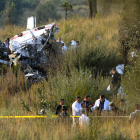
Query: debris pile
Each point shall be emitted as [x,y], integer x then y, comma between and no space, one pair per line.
[33,47]
[32,76]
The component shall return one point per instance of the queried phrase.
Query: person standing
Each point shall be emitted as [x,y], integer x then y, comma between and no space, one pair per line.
[76,107]
[115,81]
[59,107]
[135,116]
[86,103]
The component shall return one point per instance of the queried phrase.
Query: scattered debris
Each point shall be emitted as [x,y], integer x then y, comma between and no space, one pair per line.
[42,112]
[98,37]
[108,88]
[121,93]
[133,54]
[32,76]
[120,68]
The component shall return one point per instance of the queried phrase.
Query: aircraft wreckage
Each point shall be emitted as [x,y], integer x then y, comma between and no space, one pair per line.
[34,47]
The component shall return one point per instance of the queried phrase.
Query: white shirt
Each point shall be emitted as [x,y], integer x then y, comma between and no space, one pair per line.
[84,120]
[76,107]
[97,103]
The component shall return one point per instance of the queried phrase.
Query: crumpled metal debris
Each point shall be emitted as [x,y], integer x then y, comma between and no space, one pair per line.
[32,76]
[28,70]
[30,42]
[34,47]
[120,68]
[133,54]
[42,112]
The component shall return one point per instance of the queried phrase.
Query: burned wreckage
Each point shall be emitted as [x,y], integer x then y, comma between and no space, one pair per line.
[34,47]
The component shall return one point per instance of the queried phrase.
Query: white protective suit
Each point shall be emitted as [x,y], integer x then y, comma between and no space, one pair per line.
[83,120]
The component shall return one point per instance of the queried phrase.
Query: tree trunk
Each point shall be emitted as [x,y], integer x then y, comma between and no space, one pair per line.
[92,8]
[66,14]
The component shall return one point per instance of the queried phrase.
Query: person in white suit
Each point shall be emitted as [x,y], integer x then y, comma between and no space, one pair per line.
[84,119]
[101,104]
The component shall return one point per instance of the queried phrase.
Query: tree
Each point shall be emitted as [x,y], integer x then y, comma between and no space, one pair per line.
[92,8]
[9,14]
[13,11]
[19,7]
[30,3]
[129,28]
[45,11]
[67,7]
[2,4]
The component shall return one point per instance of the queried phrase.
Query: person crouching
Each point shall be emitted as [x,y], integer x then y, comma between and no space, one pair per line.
[64,116]
[84,119]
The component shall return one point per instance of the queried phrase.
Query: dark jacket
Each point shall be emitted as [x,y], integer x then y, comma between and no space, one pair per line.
[64,117]
[58,109]
[116,80]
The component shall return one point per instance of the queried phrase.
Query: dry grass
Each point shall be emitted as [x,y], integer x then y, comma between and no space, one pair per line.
[9,31]
[50,129]
[84,29]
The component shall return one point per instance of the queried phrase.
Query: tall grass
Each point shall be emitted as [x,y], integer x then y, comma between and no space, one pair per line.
[33,129]
[86,30]
[9,31]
